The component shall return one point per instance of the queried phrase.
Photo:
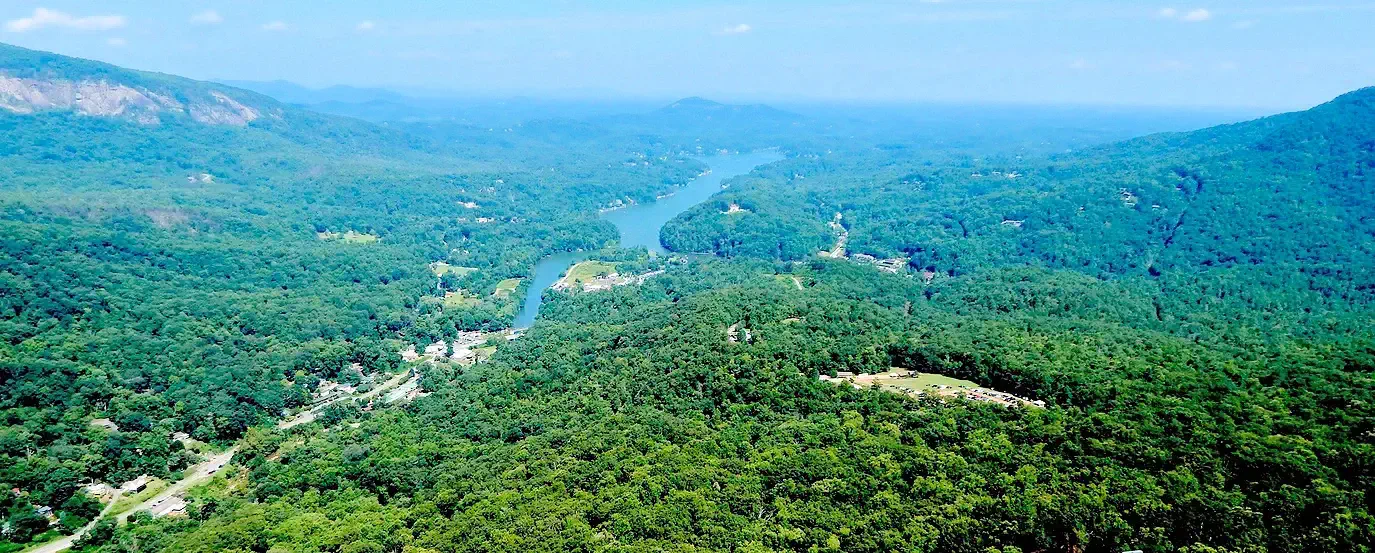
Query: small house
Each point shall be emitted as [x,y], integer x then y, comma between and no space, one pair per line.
[106,424]
[136,485]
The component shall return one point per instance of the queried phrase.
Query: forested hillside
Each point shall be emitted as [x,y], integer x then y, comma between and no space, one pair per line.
[1257,214]
[627,420]
[1179,328]
[176,275]
[1193,402]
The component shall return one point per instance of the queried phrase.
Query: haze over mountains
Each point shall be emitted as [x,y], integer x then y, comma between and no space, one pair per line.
[1096,123]
[1081,343]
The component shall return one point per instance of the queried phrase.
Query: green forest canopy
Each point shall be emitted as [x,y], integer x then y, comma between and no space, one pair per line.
[1194,309]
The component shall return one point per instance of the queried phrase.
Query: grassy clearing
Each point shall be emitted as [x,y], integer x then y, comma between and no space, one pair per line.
[201,448]
[923,381]
[506,287]
[351,237]
[441,268]
[126,502]
[459,299]
[360,238]
[793,282]
[588,270]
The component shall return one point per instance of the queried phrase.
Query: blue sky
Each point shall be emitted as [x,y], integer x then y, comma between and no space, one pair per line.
[1280,54]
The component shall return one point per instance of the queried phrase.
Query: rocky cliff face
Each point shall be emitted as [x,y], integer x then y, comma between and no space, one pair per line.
[101,98]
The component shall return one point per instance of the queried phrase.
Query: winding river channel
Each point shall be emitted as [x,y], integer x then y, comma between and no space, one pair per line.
[639,225]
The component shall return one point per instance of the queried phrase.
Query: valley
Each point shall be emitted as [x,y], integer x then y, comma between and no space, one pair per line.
[639,225]
[364,321]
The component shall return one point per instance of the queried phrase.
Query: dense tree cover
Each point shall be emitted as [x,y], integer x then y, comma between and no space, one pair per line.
[626,420]
[1281,190]
[768,226]
[1270,217]
[183,277]
[1193,308]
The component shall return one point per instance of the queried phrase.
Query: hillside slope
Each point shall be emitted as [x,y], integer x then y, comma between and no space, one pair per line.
[186,257]
[32,81]
[1280,203]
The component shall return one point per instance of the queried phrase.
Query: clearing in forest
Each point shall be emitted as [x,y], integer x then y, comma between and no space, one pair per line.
[506,287]
[459,299]
[360,238]
[441,268]
[791,281]
[351,237]
[914,384]
[587,271]
[928,380]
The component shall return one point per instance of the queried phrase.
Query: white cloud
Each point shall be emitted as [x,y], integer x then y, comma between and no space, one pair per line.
[1197,15]
[117,42]
[1192,16]
[207,17]
[737,29]
[43,17]
[366,26]
[274,26]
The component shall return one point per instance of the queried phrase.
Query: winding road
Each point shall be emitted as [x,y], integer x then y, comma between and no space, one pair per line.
[203,472]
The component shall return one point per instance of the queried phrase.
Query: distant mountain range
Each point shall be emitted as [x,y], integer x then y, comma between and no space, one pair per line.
[32,82]
[292,93]
[696,107]
[378,105]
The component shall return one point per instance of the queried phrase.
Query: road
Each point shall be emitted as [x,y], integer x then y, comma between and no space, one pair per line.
[66,542]
[203,472]
[305,417]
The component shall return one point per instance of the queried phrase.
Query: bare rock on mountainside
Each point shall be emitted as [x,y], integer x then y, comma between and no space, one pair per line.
[102,98]
[225,111]
[97,98]
[33,82]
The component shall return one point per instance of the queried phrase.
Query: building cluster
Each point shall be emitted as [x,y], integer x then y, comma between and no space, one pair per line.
[1003,398]
[890,265]
[43,511]
[328,390]
[1012,175]
[734,331]
[606,282]
[1128,199]
[462,349]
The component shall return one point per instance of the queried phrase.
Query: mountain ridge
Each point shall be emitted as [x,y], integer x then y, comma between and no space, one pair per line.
[33,81]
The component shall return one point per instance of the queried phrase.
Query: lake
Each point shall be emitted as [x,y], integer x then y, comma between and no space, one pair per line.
[640,224]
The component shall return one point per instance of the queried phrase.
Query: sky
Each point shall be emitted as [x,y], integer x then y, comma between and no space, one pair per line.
[1280,54]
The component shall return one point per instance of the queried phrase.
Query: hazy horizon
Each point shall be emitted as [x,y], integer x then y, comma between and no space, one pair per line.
[1255,56]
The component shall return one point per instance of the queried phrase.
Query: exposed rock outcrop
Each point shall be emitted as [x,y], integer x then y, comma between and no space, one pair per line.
[101,98]
[225,111]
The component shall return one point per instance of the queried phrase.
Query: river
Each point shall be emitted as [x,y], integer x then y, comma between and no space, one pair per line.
[639,224]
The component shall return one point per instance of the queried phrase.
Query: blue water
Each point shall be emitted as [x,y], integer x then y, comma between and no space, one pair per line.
[640,224]
[547,272]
